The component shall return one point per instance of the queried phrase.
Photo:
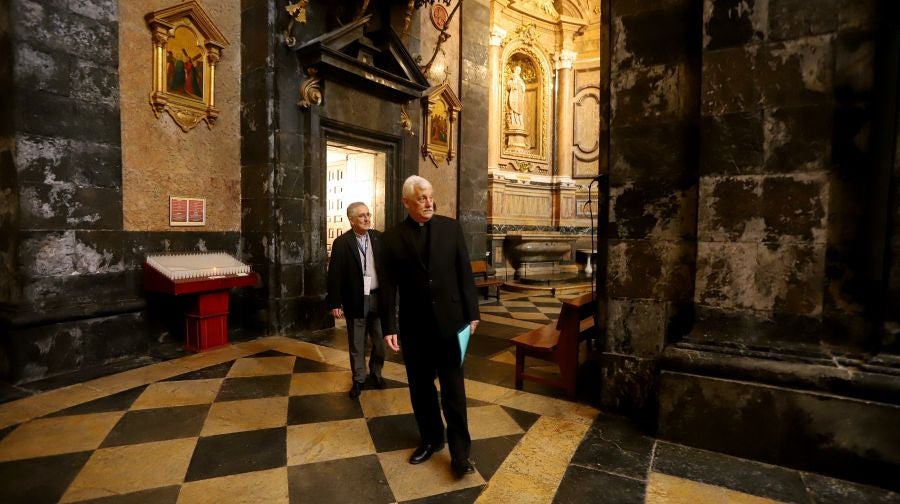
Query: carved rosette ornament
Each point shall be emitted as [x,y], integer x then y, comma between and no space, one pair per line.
[187,47]
[310,92]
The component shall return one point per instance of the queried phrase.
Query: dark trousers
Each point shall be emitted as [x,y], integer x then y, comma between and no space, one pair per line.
[357,329]
[421,370]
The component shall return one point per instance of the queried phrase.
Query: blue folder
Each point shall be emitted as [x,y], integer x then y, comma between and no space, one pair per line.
[463,336]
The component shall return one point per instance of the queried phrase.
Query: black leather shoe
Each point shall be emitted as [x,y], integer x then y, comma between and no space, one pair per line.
[462,467]
[355,390]
[424,452]
[378,381]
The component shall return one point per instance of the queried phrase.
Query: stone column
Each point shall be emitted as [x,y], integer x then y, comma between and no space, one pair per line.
[494,111]
[564,113]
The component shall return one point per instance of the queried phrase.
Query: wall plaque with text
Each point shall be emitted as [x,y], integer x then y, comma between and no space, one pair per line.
[187,211]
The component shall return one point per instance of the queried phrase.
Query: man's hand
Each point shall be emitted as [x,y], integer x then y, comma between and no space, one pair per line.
[472,325]
[337,313]
[391,341]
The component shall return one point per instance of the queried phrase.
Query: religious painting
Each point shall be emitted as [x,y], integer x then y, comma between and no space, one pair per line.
[187,46]
[441,108]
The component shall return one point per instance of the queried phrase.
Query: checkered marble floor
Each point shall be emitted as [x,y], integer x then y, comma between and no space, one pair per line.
[269,421]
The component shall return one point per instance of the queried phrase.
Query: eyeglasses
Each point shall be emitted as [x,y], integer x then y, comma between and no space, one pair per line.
[363,215]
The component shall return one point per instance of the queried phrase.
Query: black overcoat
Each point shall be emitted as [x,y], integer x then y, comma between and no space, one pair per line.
[345,273]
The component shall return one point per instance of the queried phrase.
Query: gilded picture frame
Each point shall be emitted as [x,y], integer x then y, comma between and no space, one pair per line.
[187,46]
[441,108]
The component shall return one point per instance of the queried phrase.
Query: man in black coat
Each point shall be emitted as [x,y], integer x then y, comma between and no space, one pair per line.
[426,259]
[353,293]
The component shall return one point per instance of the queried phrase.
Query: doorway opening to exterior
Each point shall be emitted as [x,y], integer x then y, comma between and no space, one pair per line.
[354,173]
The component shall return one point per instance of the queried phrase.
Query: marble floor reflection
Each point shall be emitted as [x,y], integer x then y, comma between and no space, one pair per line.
[269,420]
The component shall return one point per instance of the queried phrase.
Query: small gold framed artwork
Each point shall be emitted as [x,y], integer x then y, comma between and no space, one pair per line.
[441,108]
[187,46]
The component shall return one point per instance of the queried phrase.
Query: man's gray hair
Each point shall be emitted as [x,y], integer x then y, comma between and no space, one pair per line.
[412,183]
[352,206]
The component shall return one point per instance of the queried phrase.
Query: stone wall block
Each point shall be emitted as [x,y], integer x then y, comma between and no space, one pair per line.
[794,207]
[257,144]
[629,386]
[792,277]
[257,181]
[652,37]
[314,243]
[731,81]
[289,214]
[315,282]
[96,165]
[731,23]
[80,292]
[798,72]
[629,7]
[94,83]
[798,139]
[854,66]
[95,122]
[639,211]
[729,210]
[101,10]
[45,206]
[41,159]
[47,254]
[636,327]
[643,269]
[290,248]
[659,154]
[732,144]
[99,252]
[726,274]
[290,280]
[257,215]
[258,248]
[41,70]
[659,93]
[791,19]
[859,14]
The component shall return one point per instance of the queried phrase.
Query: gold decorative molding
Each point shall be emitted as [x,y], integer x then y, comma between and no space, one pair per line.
[187,47]
[297,11]
[406,121]
[310,92]
[539,146]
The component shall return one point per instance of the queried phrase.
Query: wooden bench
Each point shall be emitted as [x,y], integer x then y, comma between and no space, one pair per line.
[485,280]
[557,342]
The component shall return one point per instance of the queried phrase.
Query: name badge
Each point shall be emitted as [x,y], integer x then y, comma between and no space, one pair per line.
[367,285]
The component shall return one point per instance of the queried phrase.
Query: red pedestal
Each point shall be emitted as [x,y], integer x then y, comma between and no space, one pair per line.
[206,318]
[206,321]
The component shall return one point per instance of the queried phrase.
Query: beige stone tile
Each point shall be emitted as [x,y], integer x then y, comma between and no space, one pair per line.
[245,415]
[665,489]
[391,401]
[318,442]
[517,304]
[262,366]
[491,309]
[325,382]
[124,469]
[428,478]
[20,411]
[269,486]
[521,324]
[534,468]
[534,403]
[550,310]
[491,421]
[394,371]
[52,436]
[529,316]
[504,357]
[178,393]
[310,351]
[545,299]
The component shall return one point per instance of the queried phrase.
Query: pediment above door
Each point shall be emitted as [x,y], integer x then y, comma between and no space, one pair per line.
[375,61]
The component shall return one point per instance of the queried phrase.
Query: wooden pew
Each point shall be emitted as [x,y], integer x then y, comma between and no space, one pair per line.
[557,342]
[485,281]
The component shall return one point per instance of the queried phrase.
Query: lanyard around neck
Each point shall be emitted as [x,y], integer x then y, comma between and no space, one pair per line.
[364,251]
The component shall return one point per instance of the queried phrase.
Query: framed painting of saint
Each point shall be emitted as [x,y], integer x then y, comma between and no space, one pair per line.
[441,108]
[187,46]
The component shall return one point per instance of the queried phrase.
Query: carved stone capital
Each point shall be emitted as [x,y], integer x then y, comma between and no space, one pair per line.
[497,36]
[565,59]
